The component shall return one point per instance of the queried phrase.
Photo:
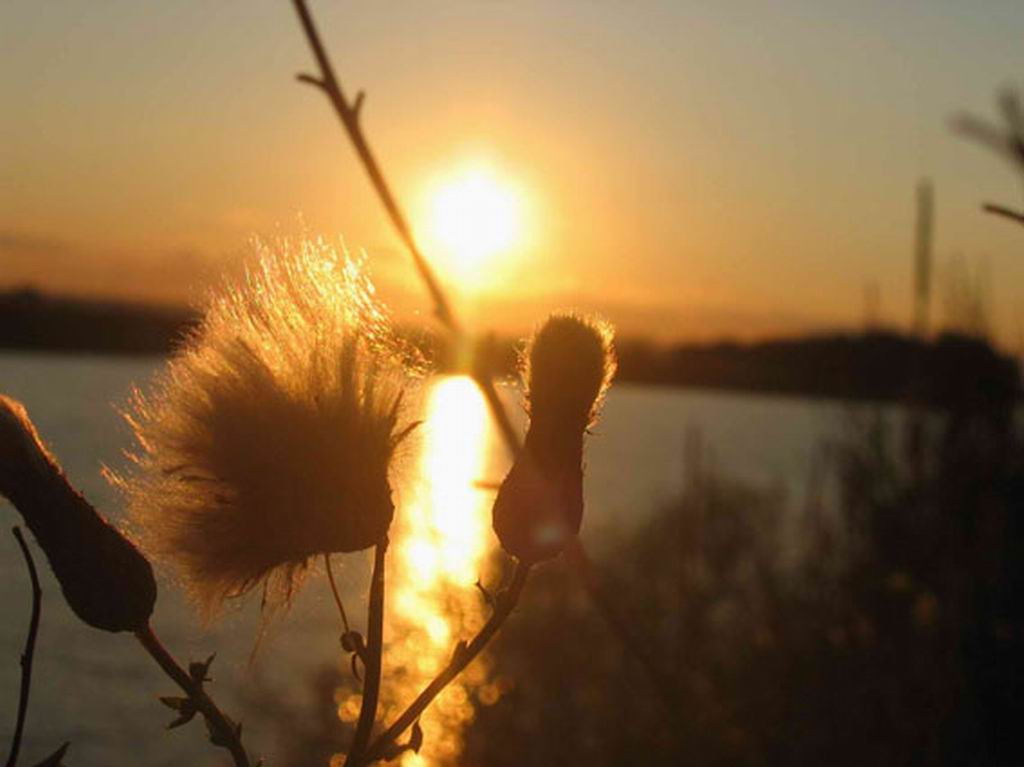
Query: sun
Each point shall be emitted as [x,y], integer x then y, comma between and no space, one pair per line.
[474,217]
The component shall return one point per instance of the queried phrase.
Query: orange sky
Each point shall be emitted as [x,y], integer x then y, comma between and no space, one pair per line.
[690,170]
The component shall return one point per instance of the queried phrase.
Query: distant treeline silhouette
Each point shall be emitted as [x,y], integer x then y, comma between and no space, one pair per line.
[876,365]
[32,320]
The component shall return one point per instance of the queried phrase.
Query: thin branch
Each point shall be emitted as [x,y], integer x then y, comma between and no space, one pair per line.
[334,591]
[375,651]
[30,648]
[505,603]
[663,683]
[508,432]
[227,733]
[982,132]
[1001,210]
[482,374]
[349,116]
[316,82]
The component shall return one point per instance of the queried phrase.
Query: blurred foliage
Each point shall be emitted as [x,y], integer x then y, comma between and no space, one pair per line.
[307,735]
[886,627]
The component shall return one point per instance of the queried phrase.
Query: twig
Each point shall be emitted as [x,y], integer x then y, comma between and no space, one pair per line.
[227,733]
[334,591]
[982,132]
[1001,210]
[482,370]
[504,605]
[662,682]
[30,648]
[349,116]
[375,650]
[485,382]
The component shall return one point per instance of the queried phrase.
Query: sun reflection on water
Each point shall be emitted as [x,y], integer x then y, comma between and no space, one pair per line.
[440,546]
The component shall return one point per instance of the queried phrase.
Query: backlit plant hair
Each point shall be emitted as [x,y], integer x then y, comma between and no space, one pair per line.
[268,438]
[568,367]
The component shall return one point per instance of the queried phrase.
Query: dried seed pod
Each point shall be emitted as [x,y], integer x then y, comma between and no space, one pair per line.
[268,439]
[105,579]
[569,365]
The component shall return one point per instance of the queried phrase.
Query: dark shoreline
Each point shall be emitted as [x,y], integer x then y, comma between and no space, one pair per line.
[875,366]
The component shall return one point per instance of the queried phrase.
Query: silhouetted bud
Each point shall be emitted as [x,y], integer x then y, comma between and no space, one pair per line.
[569,365]
[105,579]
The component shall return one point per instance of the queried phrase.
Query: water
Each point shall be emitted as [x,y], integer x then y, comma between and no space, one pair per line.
[99,691]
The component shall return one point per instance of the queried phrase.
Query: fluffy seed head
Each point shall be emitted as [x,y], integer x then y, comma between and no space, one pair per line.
[569,366]
[268,438]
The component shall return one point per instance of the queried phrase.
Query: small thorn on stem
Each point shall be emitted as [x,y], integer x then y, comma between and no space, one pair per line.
[487,595]
[316,82]
[1003,211]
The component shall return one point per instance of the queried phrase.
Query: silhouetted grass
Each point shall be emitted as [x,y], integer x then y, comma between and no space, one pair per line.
[886,630]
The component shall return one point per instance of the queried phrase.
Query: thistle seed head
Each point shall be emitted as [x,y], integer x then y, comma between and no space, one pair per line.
[269,437]
[569,366]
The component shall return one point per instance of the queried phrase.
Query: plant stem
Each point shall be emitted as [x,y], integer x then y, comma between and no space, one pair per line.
[217,720]
[1002,210]
[482,374]
[30,648]
[334,591]
[662,682]
[349,116]
[375,651]
[504,604]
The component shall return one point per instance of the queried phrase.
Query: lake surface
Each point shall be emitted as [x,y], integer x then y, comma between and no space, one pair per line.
[99,690]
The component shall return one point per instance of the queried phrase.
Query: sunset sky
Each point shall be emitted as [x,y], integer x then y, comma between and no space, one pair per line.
[689,169]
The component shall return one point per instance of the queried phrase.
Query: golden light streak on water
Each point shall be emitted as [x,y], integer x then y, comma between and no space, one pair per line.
[441,542]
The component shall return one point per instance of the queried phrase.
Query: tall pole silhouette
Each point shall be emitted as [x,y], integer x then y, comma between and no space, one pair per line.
[922,300]
[923,257]
[872,306]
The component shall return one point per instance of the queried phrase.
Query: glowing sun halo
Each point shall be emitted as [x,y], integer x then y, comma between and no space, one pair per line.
[475,216]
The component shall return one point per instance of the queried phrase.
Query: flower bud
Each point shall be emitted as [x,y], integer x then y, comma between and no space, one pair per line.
[105,579]
[569,365]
